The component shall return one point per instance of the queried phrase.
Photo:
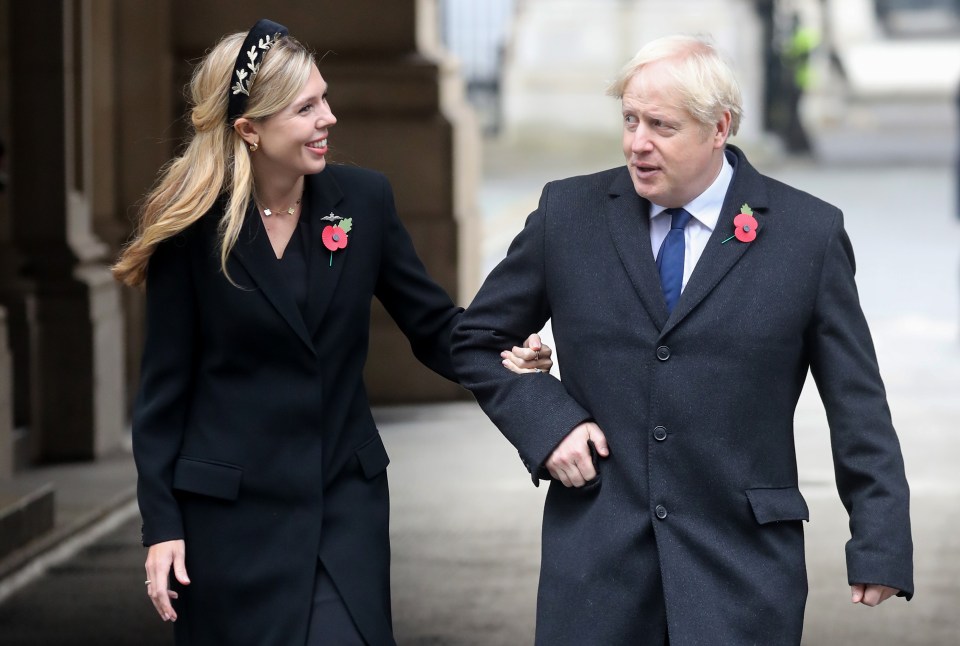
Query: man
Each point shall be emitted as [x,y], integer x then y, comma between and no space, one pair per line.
[689,295]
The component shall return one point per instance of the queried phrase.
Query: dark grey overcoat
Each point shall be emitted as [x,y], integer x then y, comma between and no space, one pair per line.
[252,432]
[694,524]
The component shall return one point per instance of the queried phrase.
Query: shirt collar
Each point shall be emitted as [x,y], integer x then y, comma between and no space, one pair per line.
[706,206]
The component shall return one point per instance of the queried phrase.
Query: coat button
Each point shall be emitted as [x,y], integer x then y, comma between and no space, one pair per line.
[663,353]
[659,434]
[661,512]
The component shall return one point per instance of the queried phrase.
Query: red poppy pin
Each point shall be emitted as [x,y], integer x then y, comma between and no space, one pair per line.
[335,235]
[745,226]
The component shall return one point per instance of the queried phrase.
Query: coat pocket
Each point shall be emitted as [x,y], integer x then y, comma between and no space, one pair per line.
[373,457]
[778,505]
[215,479]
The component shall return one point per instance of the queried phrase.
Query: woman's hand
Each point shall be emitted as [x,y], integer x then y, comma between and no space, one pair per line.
[534,356]
[160,558]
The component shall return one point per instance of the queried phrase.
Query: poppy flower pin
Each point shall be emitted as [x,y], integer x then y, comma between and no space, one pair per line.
[745,226]
[334,236]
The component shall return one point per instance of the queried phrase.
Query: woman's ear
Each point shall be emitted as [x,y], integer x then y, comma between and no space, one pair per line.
[247,131]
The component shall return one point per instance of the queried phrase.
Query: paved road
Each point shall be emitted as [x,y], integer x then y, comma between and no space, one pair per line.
[465,519]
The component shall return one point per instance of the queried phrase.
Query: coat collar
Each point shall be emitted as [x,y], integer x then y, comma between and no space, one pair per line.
[255,253]
[324,271]
[630,229]
[718,258]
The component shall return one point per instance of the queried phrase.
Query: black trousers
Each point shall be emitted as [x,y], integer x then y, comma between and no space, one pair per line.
[330,621]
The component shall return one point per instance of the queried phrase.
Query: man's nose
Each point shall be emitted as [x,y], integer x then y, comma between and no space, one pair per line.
[641,139]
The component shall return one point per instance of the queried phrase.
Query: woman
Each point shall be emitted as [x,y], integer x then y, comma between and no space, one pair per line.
[260,470]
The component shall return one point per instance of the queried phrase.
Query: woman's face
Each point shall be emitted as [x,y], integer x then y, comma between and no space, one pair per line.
[293,142]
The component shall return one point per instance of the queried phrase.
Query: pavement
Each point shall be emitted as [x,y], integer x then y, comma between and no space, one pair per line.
[465,518]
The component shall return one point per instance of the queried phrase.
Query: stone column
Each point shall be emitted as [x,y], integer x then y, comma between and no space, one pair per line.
[400,112]
[14,292]
[77,358]
[143,115]
[6,402]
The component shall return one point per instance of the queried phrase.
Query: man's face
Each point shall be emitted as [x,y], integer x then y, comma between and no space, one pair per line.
[672,158]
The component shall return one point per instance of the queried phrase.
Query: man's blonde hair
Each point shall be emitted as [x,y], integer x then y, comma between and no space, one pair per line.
[705,82]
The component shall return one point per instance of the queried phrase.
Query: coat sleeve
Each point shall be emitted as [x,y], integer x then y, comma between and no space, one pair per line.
[534,412]
[866,452]
[421,308]
[166,383]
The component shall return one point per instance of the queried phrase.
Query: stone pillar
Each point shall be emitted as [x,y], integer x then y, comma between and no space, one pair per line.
[144,113]
[103,34]
[400,112]
[14,292]
[6,402]
[77,353]
[6,360]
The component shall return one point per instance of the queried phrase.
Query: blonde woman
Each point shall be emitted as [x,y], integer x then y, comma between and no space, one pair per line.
[261,475]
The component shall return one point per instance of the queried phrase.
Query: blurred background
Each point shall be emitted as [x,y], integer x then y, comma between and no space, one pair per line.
[469,107]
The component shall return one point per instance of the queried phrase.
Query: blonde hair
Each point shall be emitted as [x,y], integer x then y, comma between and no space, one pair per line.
[705,82]
[216,159]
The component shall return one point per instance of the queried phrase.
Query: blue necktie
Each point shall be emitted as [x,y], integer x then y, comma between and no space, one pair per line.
[670,257]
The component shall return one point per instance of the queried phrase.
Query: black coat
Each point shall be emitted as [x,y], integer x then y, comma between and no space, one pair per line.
[695,521]
[252,432]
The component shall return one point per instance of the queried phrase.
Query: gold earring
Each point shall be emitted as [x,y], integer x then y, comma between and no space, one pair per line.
[253,147]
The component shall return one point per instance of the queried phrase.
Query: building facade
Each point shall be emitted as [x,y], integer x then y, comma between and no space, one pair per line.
[91,106]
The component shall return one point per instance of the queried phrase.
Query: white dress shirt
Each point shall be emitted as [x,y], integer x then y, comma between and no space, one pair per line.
[705,209]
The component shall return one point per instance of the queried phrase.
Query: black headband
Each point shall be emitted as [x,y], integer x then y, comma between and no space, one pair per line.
[259,40]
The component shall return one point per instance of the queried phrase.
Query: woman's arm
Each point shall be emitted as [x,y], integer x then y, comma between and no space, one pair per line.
[160,412]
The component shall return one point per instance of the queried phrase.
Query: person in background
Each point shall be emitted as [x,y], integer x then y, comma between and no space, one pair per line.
[261,474]
[689,297]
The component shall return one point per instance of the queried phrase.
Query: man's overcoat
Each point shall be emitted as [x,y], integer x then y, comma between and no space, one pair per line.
[695,522]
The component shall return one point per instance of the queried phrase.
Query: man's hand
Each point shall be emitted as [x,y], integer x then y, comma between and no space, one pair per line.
[534,356]
[571,462]
[160,558]
[871,594]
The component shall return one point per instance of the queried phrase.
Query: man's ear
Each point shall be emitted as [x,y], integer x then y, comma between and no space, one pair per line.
[247,130]
[722,129]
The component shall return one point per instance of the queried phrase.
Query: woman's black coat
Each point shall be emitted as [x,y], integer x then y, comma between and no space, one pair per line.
[252,432]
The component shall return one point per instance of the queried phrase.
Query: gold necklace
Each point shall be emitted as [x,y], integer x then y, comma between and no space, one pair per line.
[289,210]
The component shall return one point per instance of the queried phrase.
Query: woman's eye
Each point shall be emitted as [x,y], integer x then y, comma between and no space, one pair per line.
[306,108]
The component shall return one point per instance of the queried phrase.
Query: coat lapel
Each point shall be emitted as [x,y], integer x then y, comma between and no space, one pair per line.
[718,258]
[254,252]
[629,226]
[323,275]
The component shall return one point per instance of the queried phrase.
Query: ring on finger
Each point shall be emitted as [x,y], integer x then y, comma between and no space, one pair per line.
[537,370]
[147,582]
[537,354]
